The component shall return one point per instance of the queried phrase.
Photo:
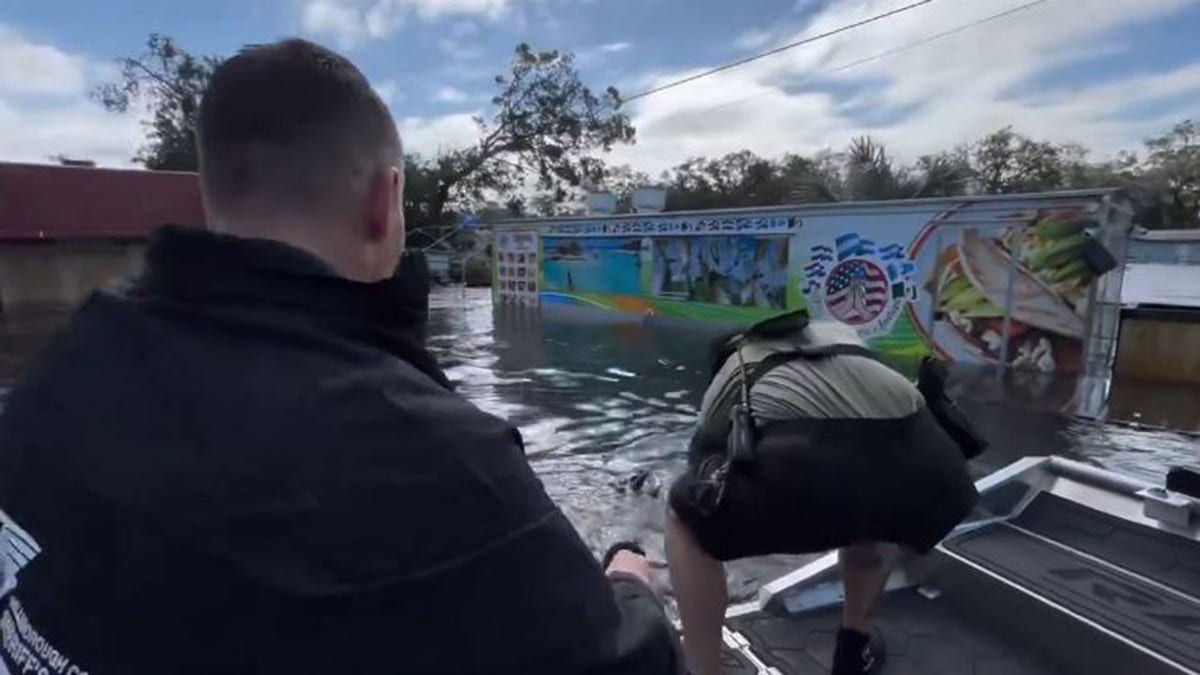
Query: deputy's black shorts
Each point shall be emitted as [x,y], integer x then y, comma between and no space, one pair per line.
[824,484]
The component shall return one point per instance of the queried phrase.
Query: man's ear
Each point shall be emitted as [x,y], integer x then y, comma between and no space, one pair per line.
[382,199]
[398,201]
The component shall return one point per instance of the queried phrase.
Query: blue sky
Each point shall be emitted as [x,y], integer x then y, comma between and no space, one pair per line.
[1106,73]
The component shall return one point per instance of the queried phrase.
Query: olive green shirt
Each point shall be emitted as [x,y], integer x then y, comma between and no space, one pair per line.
[842,386]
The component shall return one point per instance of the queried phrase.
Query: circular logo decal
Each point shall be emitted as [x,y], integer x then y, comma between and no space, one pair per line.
[856,291]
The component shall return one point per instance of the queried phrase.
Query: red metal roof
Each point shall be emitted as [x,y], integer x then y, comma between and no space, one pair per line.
[43,201]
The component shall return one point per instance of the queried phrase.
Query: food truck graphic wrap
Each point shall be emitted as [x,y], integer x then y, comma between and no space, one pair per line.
[1002,280]
[859,283]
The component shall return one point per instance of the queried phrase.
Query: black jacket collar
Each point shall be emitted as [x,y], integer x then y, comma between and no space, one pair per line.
[199,266]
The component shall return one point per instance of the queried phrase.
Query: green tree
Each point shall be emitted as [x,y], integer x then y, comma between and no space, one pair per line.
[622,181]
[737,179]
[1165,186]
[814,180]
[944,174]
[865,172]
[557,202]
[546,124]
[1172,172]
[420,190]
[871,175]
[170,82]
[1006,162]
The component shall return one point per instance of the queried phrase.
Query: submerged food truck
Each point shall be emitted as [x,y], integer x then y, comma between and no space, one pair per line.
[1028,281]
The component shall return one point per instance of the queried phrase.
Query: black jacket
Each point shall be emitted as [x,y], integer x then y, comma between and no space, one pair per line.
[243,464]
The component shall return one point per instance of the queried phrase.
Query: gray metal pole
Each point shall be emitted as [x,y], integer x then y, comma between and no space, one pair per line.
[935,301]
[1103,325]
[1008,294]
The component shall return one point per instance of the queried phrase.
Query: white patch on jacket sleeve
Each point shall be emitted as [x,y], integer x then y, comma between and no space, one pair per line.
[17,549]
[22,647]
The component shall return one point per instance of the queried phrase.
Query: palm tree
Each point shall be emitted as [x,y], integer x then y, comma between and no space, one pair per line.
[865,172]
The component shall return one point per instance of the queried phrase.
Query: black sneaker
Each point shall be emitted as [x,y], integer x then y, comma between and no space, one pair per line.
[858,653]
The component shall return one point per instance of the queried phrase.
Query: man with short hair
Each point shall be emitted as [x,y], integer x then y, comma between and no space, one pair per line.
[246,461]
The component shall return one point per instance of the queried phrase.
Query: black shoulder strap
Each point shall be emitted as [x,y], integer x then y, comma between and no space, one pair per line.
[759,369]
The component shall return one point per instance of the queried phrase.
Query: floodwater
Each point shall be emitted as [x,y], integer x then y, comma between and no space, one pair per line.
[598,403]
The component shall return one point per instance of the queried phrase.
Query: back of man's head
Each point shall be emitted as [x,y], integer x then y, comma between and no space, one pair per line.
[295,145]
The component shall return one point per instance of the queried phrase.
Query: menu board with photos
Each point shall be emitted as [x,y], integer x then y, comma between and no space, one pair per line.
[517,266]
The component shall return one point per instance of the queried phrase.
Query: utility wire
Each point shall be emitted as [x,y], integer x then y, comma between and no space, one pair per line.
[891,52]
[938,36]
[772,52]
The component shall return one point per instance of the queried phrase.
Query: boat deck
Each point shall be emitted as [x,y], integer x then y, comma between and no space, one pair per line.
[923,636]
[1116,576]
[1058,589]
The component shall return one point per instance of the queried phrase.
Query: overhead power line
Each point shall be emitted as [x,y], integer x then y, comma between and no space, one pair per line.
[937,36]
[776,50]
[891,52]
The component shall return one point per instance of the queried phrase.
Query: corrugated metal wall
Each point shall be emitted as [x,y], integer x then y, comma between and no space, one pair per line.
[1171,252]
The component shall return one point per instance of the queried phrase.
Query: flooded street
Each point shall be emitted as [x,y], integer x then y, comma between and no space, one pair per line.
[599,402]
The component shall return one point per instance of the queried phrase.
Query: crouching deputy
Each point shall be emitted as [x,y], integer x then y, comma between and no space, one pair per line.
[806,442]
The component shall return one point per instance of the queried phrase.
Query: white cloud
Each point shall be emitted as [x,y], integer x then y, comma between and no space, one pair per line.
[755,38]
[436,8]
[382,19]
[596,53]
[921,99]
[466,70]
[455,42]
[459,50]
[614,47]
[389,91]
[350,22]
[427,136]
[77,130]
[45,110]
[30,68]
[449,94]
[462,29]
[344,21]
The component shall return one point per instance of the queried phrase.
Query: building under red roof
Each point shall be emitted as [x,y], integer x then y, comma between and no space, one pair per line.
[51,202]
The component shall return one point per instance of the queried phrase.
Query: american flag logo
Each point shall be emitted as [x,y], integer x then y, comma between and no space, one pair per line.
[857,291]
[858,281]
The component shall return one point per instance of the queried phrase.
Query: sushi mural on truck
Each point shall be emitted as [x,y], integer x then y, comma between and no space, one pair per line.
[912,280]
